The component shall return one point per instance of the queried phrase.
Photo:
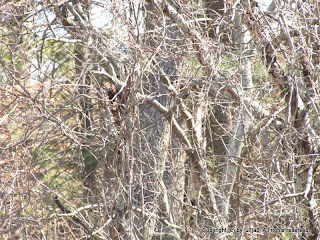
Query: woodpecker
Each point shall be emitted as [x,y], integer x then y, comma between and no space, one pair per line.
[112,93]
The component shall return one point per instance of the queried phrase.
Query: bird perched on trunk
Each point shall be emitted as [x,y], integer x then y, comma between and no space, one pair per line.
[113,93]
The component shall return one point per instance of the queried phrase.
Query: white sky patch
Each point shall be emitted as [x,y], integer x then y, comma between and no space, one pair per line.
[101,16]
[264,4]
